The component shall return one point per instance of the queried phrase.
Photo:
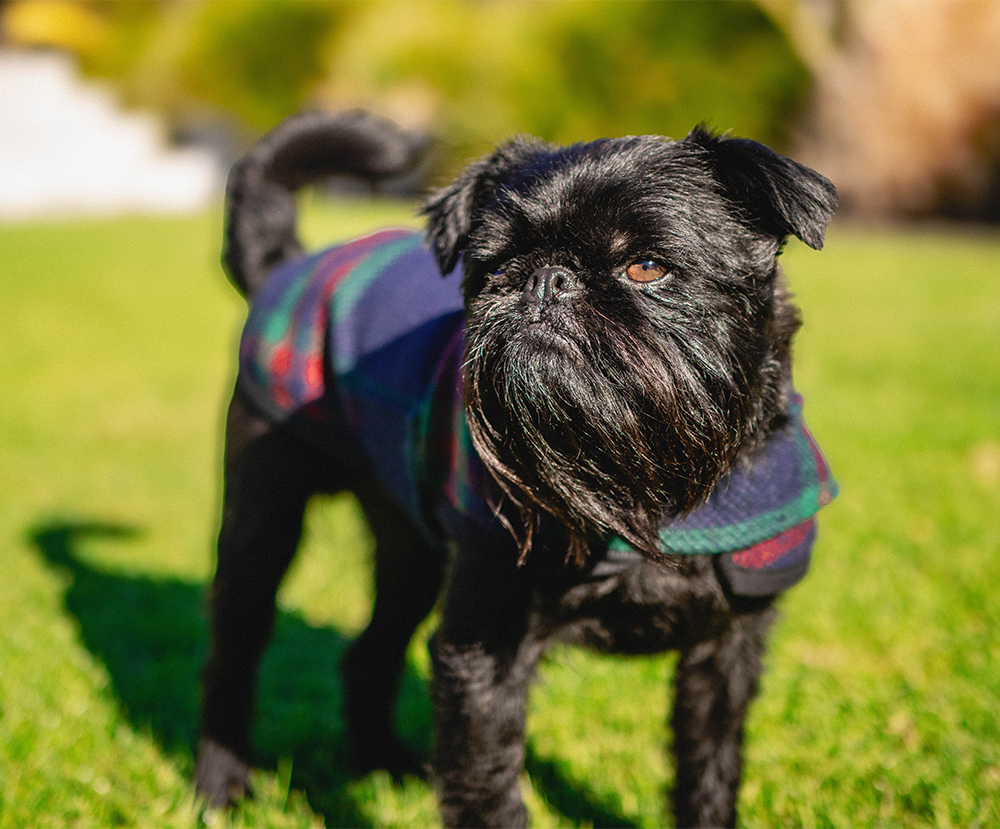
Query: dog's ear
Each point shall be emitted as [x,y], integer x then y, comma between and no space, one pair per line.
[452,211]
[777,194]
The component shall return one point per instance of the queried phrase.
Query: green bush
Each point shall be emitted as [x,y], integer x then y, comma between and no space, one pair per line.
[577,71]
[259,59]
[470,72]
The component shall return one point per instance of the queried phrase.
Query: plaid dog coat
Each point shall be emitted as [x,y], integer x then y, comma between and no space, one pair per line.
[375,316]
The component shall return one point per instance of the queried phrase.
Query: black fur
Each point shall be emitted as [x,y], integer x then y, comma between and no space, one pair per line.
[598,403]
[260,228]
[698,360]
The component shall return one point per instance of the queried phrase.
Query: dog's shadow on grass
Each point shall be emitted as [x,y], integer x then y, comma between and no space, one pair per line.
[151,635]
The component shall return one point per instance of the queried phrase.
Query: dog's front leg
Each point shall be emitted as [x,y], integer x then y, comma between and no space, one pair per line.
[480,699]
[715,682]
[484,658]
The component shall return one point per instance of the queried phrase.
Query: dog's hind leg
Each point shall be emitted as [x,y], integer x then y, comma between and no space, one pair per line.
[715,682]
[409,572]
[267,487]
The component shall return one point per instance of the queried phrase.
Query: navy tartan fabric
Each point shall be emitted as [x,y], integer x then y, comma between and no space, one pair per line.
[377,313]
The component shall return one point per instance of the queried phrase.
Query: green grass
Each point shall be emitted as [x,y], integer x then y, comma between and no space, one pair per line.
[880,702]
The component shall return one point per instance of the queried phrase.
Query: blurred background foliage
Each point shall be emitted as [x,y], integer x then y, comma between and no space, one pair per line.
[898,102]
[471,72]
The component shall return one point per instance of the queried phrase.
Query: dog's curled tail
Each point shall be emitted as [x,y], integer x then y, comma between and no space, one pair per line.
[260,192]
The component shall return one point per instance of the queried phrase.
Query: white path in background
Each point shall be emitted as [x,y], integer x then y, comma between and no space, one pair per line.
[67,148]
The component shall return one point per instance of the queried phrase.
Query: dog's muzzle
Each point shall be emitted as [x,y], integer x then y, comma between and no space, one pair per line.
[546,285]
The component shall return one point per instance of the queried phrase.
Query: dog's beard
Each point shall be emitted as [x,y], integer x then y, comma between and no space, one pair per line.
[609,427]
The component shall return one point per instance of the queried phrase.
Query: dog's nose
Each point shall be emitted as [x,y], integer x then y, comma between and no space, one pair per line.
[546,284]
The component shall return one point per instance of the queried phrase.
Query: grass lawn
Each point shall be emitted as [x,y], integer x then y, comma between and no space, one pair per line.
[880,705]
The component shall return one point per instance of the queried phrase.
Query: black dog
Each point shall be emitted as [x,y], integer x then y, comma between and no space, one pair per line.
[589,435]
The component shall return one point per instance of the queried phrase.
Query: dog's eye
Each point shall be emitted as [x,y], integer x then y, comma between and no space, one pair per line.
[645,270]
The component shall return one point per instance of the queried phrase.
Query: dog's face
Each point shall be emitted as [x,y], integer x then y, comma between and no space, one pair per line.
[625,337]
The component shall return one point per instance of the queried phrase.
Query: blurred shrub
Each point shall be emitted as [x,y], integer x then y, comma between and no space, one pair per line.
[470,72]
[70,25]
[575,70]
[254,61]
[261,59]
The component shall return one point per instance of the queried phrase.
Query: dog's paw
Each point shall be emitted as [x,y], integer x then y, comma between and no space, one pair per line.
[221,778]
